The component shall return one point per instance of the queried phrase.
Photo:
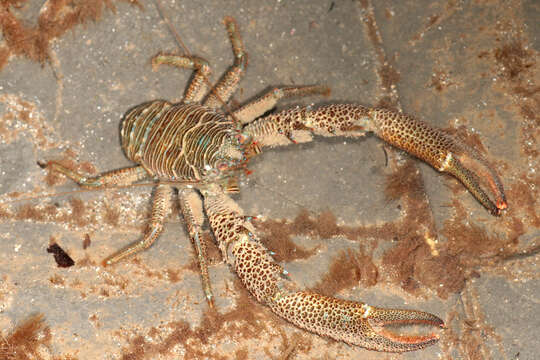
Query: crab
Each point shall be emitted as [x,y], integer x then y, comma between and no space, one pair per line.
[202,151]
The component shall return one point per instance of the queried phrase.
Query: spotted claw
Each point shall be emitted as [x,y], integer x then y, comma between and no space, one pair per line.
[439,149]
[444,152]
[381,339]
[354,322]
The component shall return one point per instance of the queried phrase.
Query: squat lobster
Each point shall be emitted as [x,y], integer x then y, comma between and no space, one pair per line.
[195,147]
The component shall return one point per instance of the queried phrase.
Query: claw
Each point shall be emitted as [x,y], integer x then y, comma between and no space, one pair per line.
[355,323]
[437,148]
[444,152]
[473,171]
[349,321]
[385,340]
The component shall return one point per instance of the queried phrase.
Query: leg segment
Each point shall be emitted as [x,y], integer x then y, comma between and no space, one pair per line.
[161,206]
[192,209]
[439,149]
[256,108]
[198,86]
[353,322]
[223,90]
[301,123]
[121,177]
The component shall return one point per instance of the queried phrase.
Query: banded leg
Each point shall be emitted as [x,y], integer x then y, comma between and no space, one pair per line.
[439,149]
[256,108]
[192,210]
[120,177]
[349,321]
[161,206]
[226,86]
[198,86]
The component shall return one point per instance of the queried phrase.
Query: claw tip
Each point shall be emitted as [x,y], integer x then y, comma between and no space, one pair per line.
[502,205]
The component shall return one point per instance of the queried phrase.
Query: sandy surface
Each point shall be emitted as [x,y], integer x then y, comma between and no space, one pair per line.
[469,67]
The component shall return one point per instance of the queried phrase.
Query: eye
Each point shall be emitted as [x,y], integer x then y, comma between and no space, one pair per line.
[222,165]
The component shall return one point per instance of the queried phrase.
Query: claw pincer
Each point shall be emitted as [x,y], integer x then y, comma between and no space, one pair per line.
[354,322]
[444,152]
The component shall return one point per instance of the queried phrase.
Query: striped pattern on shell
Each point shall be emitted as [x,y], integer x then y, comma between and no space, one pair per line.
[177,141]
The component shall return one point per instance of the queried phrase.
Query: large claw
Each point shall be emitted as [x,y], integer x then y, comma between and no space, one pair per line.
[384,340]
[355,323]
[444,152]
[352,322]
[439,149]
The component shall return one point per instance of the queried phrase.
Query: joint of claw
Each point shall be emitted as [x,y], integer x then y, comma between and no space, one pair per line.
[210,301]
[367,310]
[446,162]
